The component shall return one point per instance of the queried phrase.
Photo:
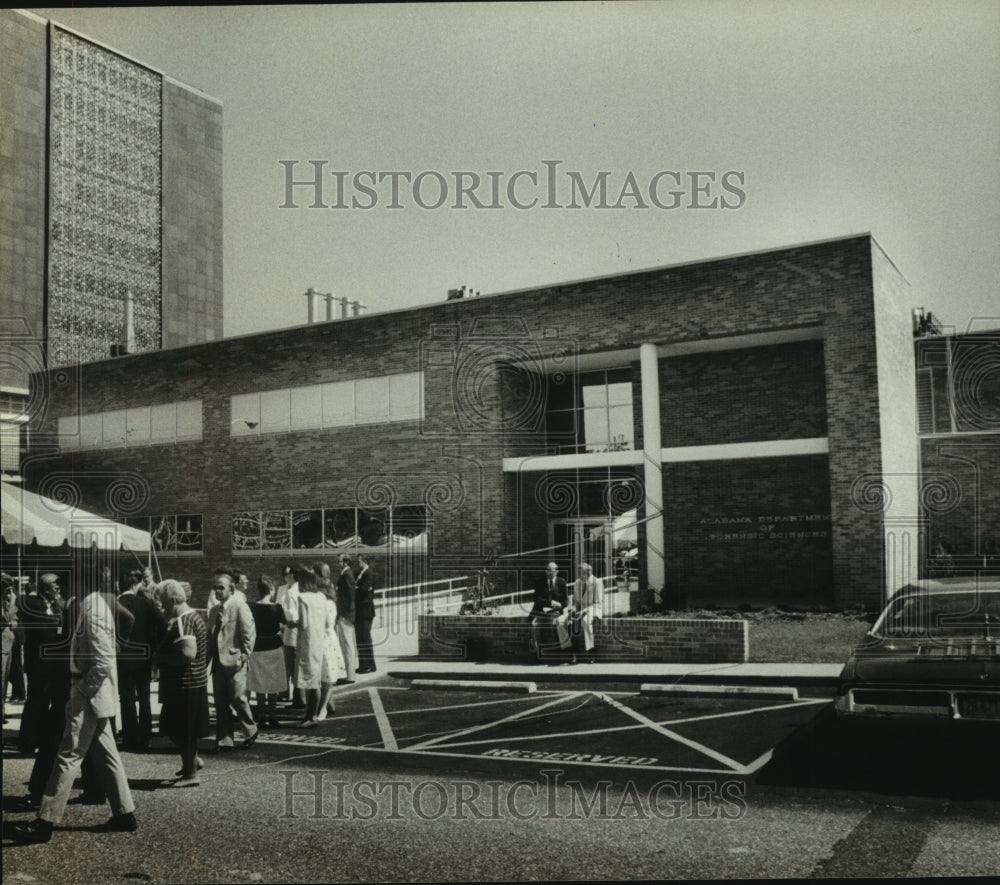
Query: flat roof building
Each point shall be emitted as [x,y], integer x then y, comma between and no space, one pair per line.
[744,428]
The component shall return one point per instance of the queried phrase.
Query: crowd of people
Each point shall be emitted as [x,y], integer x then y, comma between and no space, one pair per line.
[88,651]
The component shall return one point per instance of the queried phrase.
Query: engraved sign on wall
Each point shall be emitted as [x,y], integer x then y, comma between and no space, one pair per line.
[766,527]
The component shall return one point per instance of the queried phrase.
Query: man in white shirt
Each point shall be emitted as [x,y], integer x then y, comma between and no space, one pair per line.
[93,699]
[288,598]
[231,637]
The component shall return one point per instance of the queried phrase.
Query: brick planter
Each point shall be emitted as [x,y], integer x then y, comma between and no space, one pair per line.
[639,640]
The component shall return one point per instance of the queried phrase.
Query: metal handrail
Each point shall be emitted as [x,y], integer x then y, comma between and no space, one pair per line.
[419,584]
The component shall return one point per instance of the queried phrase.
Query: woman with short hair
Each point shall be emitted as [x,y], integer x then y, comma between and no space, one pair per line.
[183,659]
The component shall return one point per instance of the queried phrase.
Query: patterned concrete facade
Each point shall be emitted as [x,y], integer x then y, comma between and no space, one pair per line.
[77,226]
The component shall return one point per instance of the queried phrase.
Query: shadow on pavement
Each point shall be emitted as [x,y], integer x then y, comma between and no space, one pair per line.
[957,760]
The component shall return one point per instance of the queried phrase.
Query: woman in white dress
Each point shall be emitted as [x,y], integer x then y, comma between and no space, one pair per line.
[333,659]
[314,623]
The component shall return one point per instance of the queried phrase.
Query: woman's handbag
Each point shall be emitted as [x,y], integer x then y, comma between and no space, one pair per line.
[186,643]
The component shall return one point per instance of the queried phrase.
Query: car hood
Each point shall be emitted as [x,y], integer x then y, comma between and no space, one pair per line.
[938,661]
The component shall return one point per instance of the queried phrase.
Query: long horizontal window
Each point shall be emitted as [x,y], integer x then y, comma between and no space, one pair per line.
[400,529]
[335,404]
[130,428]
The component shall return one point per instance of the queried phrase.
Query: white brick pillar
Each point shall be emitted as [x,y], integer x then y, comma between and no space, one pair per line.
[652,471]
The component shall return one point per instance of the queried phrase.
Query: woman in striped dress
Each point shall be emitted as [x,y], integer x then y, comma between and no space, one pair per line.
[182,659]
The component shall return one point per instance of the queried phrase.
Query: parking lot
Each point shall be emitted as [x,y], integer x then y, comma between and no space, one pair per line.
[697,787]
[602,729]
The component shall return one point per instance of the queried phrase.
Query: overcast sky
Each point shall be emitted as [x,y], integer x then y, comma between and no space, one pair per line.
[831,119]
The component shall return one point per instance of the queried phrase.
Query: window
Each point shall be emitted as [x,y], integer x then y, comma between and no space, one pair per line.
[114,430]
[307,407]
[371,401]
[131,428]
[591,413]
[405,397]
[163,423]
[189,420]
[338,404]
[137,427]
[402,529]
[245,414]
[171,533]
[276,411]
[334,404]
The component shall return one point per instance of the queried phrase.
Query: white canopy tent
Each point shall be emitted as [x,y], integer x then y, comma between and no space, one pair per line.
[29,517]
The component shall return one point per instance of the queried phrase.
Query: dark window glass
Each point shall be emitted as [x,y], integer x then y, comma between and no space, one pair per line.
[340,528]
[307,529]
[373,527]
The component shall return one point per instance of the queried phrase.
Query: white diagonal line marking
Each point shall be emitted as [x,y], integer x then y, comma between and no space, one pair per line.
[385,729]
[759,762]
[673,735]
[801,703]
[636,727]
[484,725]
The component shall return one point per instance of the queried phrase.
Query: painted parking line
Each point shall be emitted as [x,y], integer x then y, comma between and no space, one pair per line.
[388,738]
[673,735]
[514,716]
[540,728]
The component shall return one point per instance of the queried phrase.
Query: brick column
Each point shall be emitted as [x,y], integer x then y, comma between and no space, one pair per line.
[652,472]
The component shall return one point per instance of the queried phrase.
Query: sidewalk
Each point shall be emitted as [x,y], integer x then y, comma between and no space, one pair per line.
[793,675]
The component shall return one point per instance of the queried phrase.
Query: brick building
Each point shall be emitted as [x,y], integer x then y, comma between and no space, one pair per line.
[110,209]
[746,425]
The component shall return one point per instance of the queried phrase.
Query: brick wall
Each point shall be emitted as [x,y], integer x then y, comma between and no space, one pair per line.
[753,531]
[826,284]
[745,395]
[635,640]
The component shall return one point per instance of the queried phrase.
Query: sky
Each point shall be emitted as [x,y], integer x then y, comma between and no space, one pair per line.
[806,120]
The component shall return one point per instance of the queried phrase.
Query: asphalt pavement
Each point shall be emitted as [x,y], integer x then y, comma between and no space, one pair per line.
[456,771]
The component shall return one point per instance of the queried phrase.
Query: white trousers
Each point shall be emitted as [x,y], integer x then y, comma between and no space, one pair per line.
[83,729]
[348,645]
[561,622]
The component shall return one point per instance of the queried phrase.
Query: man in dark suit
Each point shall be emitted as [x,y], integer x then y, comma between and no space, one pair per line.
[364,614]
[550,609]
[39,618]
[135,663]
[345,617]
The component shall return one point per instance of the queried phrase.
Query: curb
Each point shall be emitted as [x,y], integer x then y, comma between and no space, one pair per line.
[474,685]
[779,692]
[590,674]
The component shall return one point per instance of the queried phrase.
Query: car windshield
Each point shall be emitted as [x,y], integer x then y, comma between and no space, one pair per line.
[941,614]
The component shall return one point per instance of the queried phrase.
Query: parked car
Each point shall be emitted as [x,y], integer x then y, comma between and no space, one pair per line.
[933,654]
